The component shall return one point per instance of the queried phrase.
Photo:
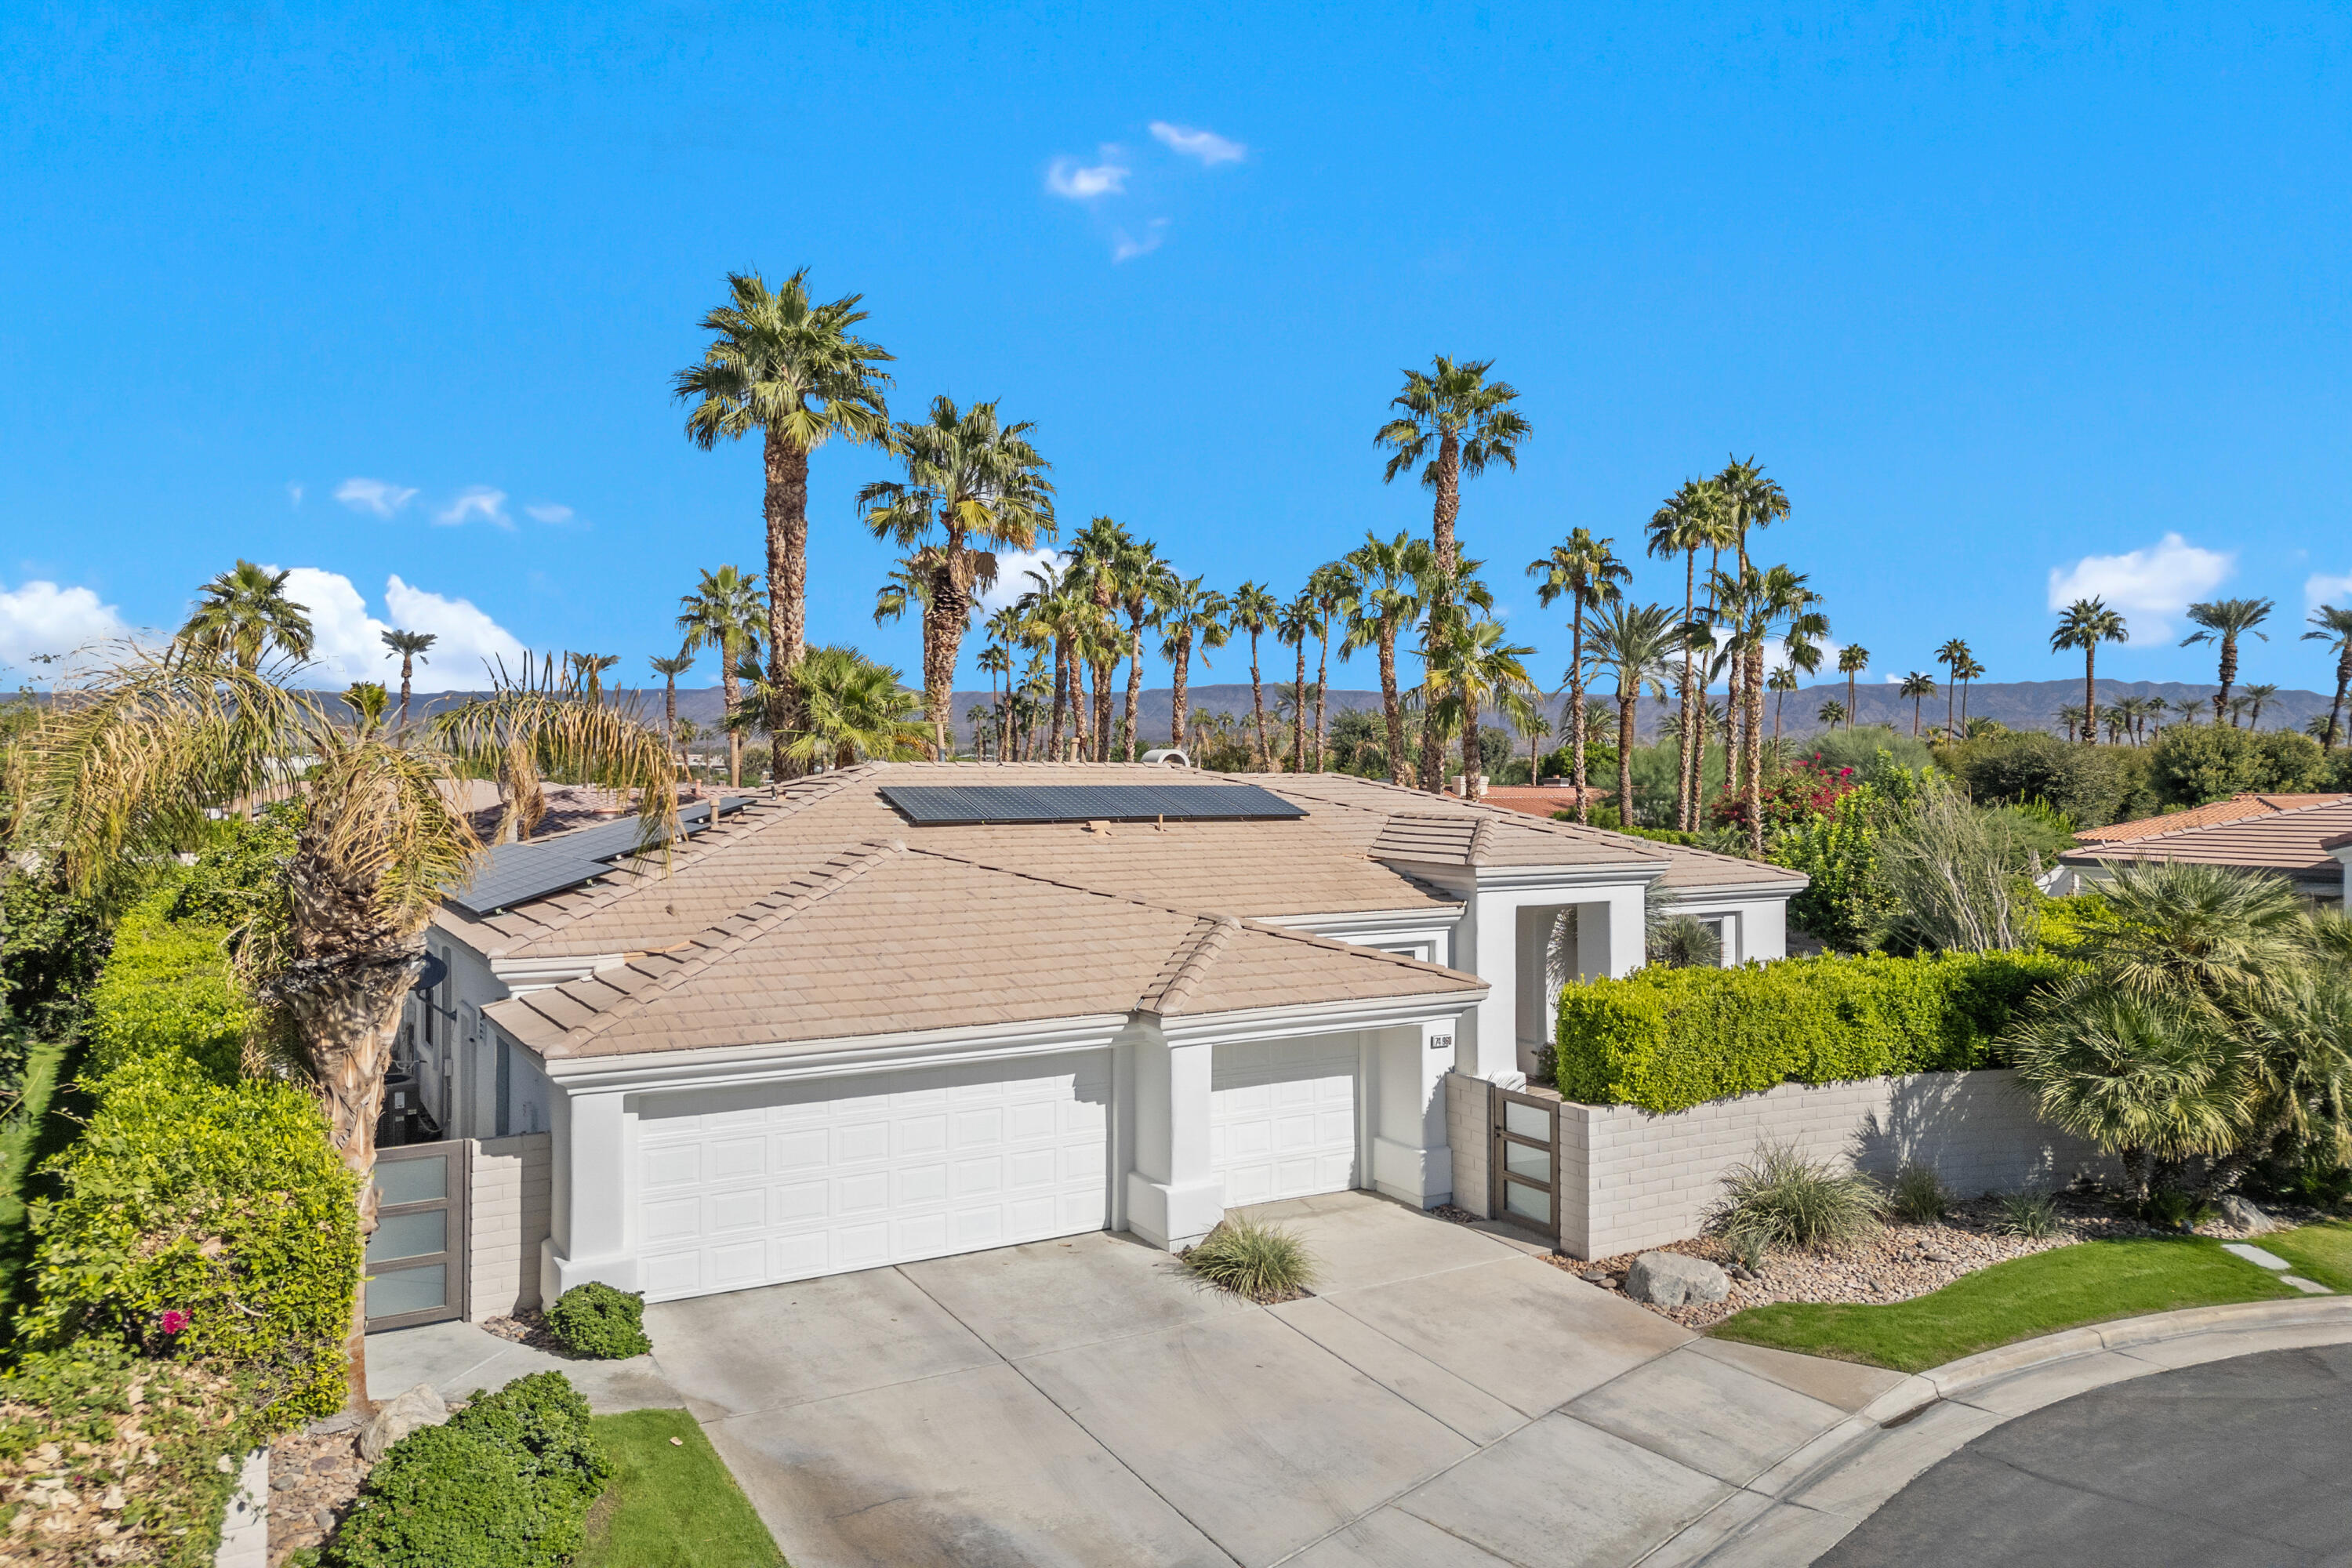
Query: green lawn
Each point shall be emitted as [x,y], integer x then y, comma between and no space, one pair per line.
[671,1506]
[2320,1253]
[2093,1282]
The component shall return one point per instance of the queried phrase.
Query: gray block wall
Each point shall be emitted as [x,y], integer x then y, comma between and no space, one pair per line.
[509,1214]
[1467,1129]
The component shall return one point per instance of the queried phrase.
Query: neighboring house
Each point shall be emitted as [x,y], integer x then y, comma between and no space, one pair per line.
[2305,838]
[865,1018]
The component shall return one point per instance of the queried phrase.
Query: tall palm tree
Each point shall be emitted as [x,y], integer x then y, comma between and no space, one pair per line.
[1473,669]
[973,485]
[243,611]
[1918,686]
[1332,585]
[1834,713]
[724,612]
[1388,574]
[669,669]
[1692,517]
[1780,683]
[1968,672]
[1104,556]
[1751,499]
[792,370]
[995,661]
[2224,621]
[855,710]
[1588,573]
[116,773]
[1760,608]
[1254,610]
[2333,626]
[1634,642]
[2256,697]
[1952,655]
[2069,714]
[1145,584]
[1852,659]
[1539,727]
[410,647]
[2084,625]
[588,670]
[1190,618]
[1451,423]
[1296,625]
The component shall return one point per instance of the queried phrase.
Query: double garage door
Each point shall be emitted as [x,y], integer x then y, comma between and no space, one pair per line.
[739,1188]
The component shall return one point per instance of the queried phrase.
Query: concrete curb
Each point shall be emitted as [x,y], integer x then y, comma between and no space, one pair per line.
[1798,1510]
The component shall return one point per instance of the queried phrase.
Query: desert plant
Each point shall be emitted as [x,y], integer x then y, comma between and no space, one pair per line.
[1780,1198]
[595,1320]
[2175,1209]
[1918,1196]
[2029,1213]
[1262,1262]
[1954,874]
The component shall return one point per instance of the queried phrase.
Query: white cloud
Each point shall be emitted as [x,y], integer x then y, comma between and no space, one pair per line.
[348,641]
[2321,589]
[477,500]
[1012,579]
[294,493]
[42,620]
[374,496]
[1206,146]
[1126,246]
[1068,177]
[2154,584]
[548,511]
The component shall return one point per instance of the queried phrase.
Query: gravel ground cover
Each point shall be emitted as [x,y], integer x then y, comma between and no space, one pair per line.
[313,1477]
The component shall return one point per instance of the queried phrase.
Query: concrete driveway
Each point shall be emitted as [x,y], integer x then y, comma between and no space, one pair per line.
[1445,1400]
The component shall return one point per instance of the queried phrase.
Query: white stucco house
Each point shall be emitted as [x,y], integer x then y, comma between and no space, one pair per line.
[900,1011]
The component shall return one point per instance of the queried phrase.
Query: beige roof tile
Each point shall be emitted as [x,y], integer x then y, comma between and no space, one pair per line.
[2295,841]
[2214,812]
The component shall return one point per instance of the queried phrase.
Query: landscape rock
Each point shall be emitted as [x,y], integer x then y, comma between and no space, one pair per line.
[420,1406]
[2241,1213]
[1675,1280]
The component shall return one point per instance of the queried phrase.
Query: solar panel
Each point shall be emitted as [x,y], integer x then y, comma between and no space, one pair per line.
[932,806]
[512,874]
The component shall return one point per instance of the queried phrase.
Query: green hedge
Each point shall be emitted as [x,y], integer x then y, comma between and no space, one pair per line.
[1667,1039]
[167,990]
[596,1320]
[220,1201]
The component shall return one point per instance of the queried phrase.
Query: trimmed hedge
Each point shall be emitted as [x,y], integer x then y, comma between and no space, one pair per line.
[167,990]
[1667,1039]
[507,1483]
[222,1203]
[596,1320]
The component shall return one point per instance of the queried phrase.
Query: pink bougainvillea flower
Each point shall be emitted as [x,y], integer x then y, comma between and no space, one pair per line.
[175,1320]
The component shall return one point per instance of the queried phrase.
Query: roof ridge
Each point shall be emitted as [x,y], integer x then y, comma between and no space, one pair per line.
[1187,962]
[2334,803]
[808,888]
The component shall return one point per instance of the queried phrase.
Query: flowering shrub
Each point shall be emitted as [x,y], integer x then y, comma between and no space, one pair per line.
[1805,791]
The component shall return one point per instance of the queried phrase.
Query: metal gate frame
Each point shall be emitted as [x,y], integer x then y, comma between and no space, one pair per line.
[456,1200]
[1501,1177]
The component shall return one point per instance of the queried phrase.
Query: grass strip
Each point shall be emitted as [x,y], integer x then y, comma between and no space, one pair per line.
[2089,1282]
[2320,1253]
[671,1504]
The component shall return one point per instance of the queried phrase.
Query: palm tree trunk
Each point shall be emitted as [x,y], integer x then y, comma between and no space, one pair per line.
[1685,778]
[1061,695]
[1322,683]
[786,502]
[1258,707]
[1392,705]
[669,717]
[1432,743]
[1298,715]
[2229,677]
[1575,699]
[1753,741]
[2090,693]
[1951,691]
[1449,501]
[944,619]
[1474,756]
[1181,675]
[1625,703]
[2343,680]
[403,690]
[730,696]
[1135,691]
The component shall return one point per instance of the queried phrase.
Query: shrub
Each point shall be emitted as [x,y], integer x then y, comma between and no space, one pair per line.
[1667,1039]
[167,990]
[51,946]
[2032,1215]
[1782,1199]
[2193,764]
[1262,1262]
[594,1320]
[2093,785]
[2178,1210]
[221,1204]
[541,1423]
[1956,873]
[1683,942]
[1918,1196]
[1845,902]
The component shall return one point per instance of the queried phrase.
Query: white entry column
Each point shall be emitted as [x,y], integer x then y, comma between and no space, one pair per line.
[589,1236]
[1174,1196]
[1410,1160]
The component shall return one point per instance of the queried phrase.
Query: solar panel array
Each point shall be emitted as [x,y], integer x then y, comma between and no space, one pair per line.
[927,805]
[514,873]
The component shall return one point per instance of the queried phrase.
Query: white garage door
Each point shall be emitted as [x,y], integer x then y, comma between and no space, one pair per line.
[1282,1119]
[754,1187]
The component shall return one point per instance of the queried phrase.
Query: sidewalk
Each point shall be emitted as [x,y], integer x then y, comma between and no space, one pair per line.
[458,1358]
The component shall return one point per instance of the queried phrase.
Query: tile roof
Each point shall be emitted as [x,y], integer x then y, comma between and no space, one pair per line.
[887,937]
[2294,840]
[2236,808]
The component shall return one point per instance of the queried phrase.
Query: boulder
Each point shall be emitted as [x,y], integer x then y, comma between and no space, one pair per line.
[2239,1214]
[1671,1280]
[420,1406]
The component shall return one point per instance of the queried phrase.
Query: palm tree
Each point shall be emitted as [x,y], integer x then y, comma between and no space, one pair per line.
[973,485]
[2071,715]
[1589,574]
[1852,659]
[854,709]
[2333,626]
[1952,655]
[1539,727]
[118,770]
[1918,686]
[2084,625]
[1453,422]
[1634,642]
[1254,609]
[1388,574]
[242,612]
[724,612]
[792,371]
[1332,585]
[996,659]
[1750,500]
[1296,623]
[2189,710]
[2256,696]
[1760,608]
[1832,714]
[1190,618]
[1145,584]
[1104,556]
[1968,672]
[410,647]
[669,669]
[1780,683]
[588,669]
[2224,621]
[1694,515]
[1473,669]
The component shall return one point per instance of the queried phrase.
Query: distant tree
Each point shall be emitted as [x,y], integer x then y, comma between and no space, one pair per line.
[669,669]
[1331,586]
[1297,625]
[1632,642]
[1192,619]
[1952,656]
[853,709]
[1388,575]
[243,611]
[1852,659]
[2224,621]
[1587,573]
[2084,625]
[724,612]
[1780,683]
[1254,610]
[410,647]
[1696,515]
[1832,714]
[1475,669]
[1451,423]
[2256,697]
[2071,715]
[2333,626]
[1918,686]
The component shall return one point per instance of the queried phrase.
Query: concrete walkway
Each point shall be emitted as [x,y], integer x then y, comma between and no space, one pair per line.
[458,1358]
[1443,1400]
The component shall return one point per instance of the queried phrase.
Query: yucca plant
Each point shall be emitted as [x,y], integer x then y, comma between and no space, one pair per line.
[1782,1199]
[2029,1213]
[1918,1195]
[1262,1262]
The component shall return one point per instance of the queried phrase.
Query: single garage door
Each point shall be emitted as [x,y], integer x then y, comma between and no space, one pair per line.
[1282,1118]
[755,1187]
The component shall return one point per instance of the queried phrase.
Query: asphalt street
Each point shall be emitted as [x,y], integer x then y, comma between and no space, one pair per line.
[2235,1462]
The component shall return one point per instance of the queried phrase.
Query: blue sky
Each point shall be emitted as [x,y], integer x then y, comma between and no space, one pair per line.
[1996,292]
